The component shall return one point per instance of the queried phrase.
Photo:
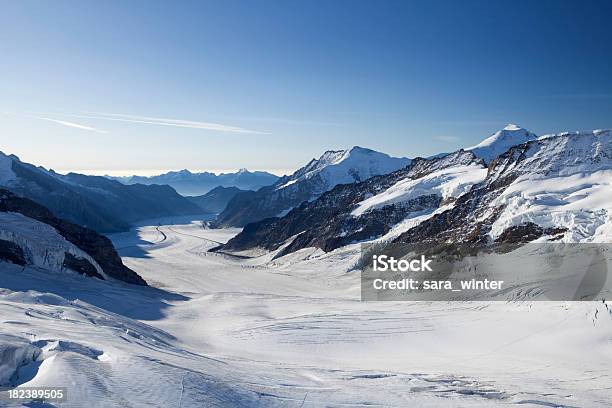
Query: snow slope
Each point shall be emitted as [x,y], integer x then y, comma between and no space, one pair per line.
[501,141]
[345,166]
[448,182]
[229,332]
[6,172]
[564,181]
[307,184]
[43,246]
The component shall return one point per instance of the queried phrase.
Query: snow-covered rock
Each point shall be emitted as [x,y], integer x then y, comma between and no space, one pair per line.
[333,168]
[41,244]
[30,235]
[501,141]
[6,171]
[562,181]
[447,180]
[367,210]
[559,183]
[343,167]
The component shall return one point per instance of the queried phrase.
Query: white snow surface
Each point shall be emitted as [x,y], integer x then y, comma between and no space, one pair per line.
[580,202]
[448,182]
[346,166]
[501,141]
[291,332]
[43,246]
[565,181]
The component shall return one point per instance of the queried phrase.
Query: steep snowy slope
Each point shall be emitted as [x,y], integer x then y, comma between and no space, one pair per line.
[188,183]
[367,210]
[31,235]
[559,187]
[344,167]
[96,202]
[42,246]
[6,171]
[309,182]
[501,141]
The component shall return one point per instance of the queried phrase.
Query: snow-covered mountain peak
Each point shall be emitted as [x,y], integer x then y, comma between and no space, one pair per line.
[501,141]
[561,154]
[346,166]
[332,168]
[512,127]
[6,169]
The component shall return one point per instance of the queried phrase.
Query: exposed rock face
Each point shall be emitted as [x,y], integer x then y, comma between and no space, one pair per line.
[95,245]
[308,183]
[80,265]
[528,232]
[11,252]
[329,222]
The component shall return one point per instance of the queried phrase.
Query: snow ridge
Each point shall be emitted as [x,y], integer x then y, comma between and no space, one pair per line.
[501,141]
[346,166]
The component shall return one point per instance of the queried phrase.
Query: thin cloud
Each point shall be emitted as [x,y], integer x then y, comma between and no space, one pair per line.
[72,125]
[148,120]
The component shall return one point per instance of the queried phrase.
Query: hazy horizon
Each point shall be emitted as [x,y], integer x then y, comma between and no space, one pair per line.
[156,172]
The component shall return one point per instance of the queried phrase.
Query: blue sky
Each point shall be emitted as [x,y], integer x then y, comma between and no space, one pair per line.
[146,86]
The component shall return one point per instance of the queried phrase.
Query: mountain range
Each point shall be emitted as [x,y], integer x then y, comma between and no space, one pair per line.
[95,202]
[512,187]
[307,183]
[550,187]
[187,183]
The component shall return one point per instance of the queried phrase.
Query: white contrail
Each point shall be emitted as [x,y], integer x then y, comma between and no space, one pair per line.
[72,125]
[165,122]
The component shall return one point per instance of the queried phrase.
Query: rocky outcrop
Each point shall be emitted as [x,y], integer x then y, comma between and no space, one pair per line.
[518,234]
[11,252]
[80,265]
[99,247]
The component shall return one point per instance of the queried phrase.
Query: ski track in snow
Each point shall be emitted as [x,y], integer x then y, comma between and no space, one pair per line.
[219,331]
